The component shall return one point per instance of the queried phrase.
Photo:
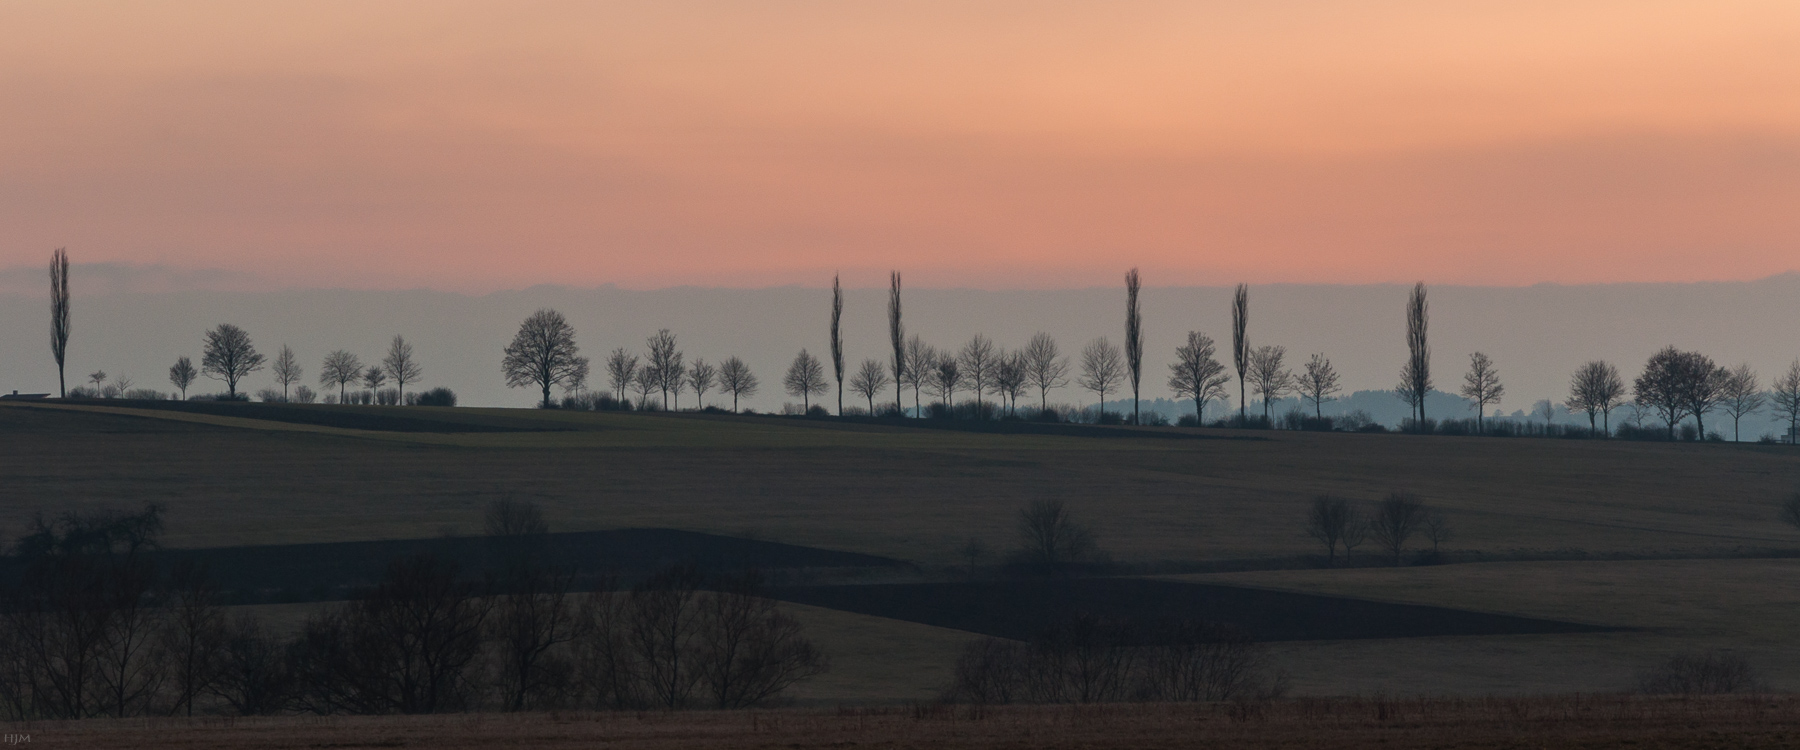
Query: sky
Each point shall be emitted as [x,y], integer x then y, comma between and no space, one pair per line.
[480,146]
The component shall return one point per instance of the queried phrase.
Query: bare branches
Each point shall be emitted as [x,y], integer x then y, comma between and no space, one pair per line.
[1045,367]
[340,369]
[621,368]
[1101,368]
[287,370]
[1134,340]
[400,365]
[1597,389]
[59,314]
[977,362]
[1740,395]
[735,378]
[542,353]
[1318,383]
[1240,344]
[1415,375]
[182,374]
[1784,393]
[1482,385]
[868,381]
[805,378]
[700,377]
[229,356]
[896,338]
[1269,375]
[837,339]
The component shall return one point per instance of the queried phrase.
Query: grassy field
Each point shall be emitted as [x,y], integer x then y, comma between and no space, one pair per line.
[1547,723]
[920,494]
[915,494]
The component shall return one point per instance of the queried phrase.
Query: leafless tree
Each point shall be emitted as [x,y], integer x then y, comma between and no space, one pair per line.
[182,374]
[663,633]
[1051,537]
[98,378]
[403,368]
[748,651]
[621,368]
[1437,529]
[1395,520]
[229,356]
[1740,394]
[1597,389]
[1318,383]
[701,376]
[254,675]
[665,362]
[869,380]
[1240,345]
[1101,369]
[1415,376]
[122,385]
[805,378]
[193,641]
[1331,520]
[946,377]
[646,382]
[408,646]
[1269,375]
[1009,380]
[921,366]
[1196,374]
[978,359]
[735,378]
[897,338]
[543,353]
[1134,341]
[532,612]
[1482,385]
[1677,383]
[1706,673]
[59,314]
[286,369]
[1045,367]
[1784,393]
[837,339]
[340,369]
[373,379]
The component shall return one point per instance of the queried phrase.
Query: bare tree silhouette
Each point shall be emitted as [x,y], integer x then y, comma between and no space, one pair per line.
[1240,345]
[182,374]
[805,378]
[735,377]
[1785,394]
[869,381]
[59,314]
[1134,341]
[896,338]
[1740,395]
[1269,375]
[543,353]
[1196,374]
[1045,367]
[621,368]
[1597,389]
[1482,385]
[403,368]
[229,356]
[977,361]
[701,377]
[340,369]
[1101,369]
[1318,382]
[286,369]
[837,339]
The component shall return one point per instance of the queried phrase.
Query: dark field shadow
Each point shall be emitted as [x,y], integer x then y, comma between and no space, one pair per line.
[346,417]
[1019,610]
[332,571]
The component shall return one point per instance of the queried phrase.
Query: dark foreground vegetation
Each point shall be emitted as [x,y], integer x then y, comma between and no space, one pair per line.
[1563,721]
[93,628]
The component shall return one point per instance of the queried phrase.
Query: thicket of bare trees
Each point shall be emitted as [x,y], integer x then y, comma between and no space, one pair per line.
[93,629]
[1087,659]
[1391,523]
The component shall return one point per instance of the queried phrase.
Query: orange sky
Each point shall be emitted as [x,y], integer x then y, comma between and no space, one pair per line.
[486,145]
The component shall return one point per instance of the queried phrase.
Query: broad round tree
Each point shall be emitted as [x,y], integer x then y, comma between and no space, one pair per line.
[544,354]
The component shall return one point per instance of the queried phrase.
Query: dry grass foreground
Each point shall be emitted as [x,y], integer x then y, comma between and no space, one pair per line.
[1549,722]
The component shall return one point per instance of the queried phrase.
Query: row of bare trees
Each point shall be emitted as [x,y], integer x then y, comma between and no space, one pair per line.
[89,628]
[1390,524]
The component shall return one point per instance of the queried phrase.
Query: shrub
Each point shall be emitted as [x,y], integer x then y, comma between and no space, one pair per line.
[387,397]
[145,394]
[1155,419]
[818,411]
[1708,673]
[439,396]
[270,396]
[1294,419]
[304,395]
